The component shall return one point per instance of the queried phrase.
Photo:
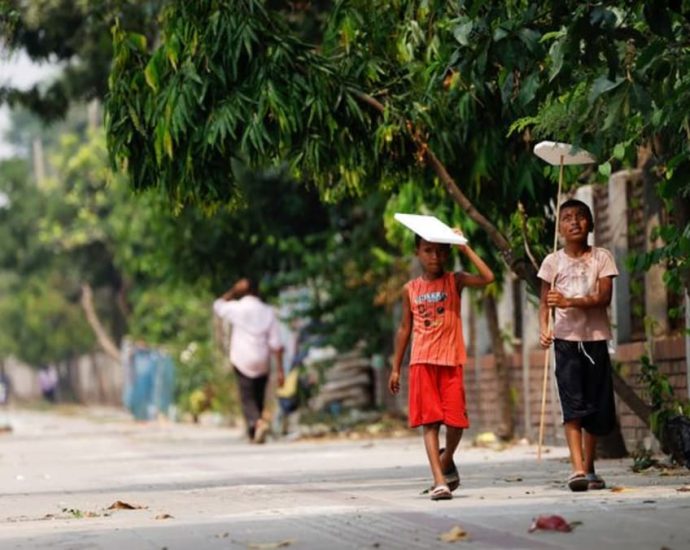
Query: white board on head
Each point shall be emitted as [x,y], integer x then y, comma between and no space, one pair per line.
[553,151]
[430,228]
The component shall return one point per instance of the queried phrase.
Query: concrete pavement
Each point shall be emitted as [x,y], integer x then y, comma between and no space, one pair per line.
[203,487]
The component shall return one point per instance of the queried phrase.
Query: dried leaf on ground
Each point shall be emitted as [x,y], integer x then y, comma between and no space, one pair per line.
[454,535]
[270,545]
[163,516]
[120,505]
[550,523]
[684,489]
[511,479]
[620,489]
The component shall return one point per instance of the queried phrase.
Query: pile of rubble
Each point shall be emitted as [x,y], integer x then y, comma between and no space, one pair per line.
[347,383]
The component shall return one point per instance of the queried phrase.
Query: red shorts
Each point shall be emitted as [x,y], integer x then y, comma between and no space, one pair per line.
[437,394]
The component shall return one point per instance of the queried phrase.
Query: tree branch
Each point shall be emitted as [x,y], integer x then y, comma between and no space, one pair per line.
[102,336]
[520,267]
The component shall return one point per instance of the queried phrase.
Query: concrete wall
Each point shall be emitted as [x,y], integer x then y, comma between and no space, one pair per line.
[90,379]
[669,355]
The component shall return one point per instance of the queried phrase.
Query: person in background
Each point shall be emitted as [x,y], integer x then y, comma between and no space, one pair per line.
[48,382]
[255,339]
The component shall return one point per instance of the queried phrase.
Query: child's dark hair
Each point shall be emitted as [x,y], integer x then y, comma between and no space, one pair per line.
[582,208]
[418,241]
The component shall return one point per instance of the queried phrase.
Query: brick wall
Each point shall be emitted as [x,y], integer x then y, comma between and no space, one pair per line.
[480,383]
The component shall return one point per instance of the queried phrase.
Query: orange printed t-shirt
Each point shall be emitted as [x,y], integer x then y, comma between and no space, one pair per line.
[437,337]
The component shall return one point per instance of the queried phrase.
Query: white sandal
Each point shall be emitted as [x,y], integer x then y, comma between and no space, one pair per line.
[440,492]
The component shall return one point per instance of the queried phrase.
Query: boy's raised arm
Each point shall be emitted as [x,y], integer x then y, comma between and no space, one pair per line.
[485,276]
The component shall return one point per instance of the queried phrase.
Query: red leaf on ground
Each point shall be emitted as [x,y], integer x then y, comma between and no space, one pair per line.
[550,523]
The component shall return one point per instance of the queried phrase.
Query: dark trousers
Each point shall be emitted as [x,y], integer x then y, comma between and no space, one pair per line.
[252,392]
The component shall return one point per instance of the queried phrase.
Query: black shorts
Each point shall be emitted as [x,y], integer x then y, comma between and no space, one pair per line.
[585,386]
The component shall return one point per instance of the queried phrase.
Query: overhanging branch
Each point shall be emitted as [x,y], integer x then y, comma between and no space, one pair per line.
[521,268]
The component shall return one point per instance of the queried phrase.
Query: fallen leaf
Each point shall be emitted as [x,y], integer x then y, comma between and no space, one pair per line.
[550,523]
[163,516]
[455,534]
[619,489]
[516,478]
[119,505]
[270,545]
[684,489]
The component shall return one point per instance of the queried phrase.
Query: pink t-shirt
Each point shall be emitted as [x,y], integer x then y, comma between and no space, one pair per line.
[575,278]
[255,333]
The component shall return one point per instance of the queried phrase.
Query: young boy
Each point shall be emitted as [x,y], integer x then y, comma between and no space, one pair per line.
[431,313]
[582,279]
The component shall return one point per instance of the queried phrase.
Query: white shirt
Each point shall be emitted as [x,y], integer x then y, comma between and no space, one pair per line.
[255,333]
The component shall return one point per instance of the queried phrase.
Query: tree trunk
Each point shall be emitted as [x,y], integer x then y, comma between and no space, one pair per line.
[506,426]
[631,399]
[612,445]
[104,339]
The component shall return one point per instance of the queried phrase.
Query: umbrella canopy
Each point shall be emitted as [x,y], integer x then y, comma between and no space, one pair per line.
[557,153]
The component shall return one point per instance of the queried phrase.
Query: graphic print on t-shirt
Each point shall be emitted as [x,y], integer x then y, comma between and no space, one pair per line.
[431,307]
[436,326]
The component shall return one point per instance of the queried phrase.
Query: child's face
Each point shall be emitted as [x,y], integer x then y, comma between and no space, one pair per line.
[574,225]
[433,256]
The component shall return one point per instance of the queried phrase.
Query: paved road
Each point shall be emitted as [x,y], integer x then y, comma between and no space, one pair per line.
[202,487]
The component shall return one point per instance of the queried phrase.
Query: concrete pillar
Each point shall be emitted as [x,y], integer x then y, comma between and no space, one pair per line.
[526,346]
[620,311]
[656,294]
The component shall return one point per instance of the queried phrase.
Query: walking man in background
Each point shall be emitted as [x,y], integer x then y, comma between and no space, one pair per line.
[255,338]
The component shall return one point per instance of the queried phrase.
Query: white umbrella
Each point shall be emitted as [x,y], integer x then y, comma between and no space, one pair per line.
[556,154]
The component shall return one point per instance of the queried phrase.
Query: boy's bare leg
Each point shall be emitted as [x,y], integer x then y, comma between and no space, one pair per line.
[590,451]
[453,436]
[431,444]
[573,435]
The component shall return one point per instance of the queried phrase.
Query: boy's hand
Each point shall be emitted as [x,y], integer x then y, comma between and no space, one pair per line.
[545,339]
[556,299]
[461,247]
[394,382]
[280,379]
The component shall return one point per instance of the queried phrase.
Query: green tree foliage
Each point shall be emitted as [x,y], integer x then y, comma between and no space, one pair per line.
[619,85]
[39,318]
[76,35]
[229,82]
[463,87]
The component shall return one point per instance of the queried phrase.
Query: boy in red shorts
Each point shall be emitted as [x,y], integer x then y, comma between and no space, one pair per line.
[431,314]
